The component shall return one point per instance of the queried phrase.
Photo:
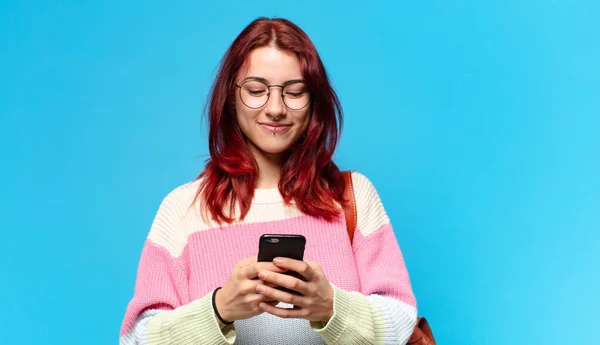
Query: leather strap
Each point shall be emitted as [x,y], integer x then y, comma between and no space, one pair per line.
[422,334]
[349,204]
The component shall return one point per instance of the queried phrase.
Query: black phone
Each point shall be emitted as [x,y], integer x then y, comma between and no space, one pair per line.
[277,245]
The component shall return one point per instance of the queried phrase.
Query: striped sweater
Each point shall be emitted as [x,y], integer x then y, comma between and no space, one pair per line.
[184,259]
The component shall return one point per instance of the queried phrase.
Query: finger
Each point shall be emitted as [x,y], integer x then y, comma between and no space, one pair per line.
[253,284]
[272,302]
[247,267]
[285,313]
[303,268]
[284,280]
[281,296]
[252,269]
[256,297]
[268,266]
[268,299]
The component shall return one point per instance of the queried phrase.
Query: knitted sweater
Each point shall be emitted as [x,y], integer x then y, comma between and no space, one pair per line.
[184,259]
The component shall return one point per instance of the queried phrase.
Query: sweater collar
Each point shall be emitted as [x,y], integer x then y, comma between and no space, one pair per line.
[267,196]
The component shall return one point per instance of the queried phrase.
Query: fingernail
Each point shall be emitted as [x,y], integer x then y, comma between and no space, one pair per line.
[262,275]
[278,260]
[260,289]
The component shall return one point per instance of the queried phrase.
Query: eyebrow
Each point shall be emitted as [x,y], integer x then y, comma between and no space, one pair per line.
[292,81]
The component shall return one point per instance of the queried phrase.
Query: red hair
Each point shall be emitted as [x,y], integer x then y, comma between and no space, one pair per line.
[309,176]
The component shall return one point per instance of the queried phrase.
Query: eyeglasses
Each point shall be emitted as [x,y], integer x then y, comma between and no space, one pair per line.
[255,94]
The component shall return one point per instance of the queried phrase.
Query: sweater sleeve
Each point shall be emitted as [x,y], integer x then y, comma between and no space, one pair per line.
[385,310]
[160,311]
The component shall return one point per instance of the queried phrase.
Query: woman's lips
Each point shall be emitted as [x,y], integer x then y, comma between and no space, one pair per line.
[275,128]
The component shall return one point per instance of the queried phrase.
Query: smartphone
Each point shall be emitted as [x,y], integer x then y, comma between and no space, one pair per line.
[276,245]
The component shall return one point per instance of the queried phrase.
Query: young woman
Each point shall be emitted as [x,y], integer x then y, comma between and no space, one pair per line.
[274,125]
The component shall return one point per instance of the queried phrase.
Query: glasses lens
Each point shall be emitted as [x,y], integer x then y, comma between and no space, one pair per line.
[296,95]
[254,94]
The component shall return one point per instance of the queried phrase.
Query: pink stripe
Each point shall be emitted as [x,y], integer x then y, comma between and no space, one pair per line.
[161,284]
[166,282]
[216,251]
[381,265]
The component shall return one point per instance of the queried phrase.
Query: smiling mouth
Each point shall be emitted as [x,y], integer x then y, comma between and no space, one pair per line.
[274,128]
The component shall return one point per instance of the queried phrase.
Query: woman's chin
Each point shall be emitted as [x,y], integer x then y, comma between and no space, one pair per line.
[274,149]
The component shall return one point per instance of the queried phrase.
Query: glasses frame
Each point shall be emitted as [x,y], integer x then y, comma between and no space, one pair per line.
[269,93]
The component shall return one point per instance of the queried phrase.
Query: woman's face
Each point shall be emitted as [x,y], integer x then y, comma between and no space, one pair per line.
[272,128]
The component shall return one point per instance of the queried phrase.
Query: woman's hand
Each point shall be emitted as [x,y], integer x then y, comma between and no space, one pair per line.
[316,300]
[238,299]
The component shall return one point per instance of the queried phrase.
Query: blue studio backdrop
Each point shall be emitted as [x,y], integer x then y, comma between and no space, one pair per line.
[477,121]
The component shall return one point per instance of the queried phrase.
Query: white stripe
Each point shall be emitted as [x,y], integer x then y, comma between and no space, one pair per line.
[177,217]
[370,212]
[269,329]
[400,319]
[138,334]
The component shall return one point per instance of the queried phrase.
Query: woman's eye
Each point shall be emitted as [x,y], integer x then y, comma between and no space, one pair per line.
[257,92]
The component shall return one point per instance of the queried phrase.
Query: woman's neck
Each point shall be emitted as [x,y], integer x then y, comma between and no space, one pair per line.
[269,168]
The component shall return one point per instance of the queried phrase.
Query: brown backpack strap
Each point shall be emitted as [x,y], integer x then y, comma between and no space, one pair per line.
[422,334]
[349,205]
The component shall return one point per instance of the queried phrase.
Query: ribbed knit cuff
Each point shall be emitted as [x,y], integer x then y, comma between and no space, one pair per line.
[351,321]
[194,323]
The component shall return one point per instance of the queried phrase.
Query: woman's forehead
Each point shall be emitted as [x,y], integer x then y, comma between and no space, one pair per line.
[272,65]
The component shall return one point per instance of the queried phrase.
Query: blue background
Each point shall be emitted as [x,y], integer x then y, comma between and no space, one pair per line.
[476,120]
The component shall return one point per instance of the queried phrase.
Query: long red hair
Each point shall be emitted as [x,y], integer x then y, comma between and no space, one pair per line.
[309,176]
